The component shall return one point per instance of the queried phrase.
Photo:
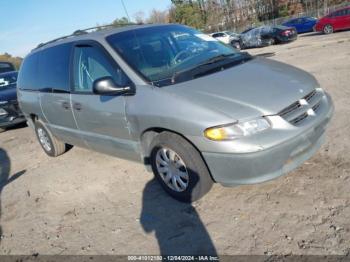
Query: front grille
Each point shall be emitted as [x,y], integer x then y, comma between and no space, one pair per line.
[298,112]
[290,109]
[309,96]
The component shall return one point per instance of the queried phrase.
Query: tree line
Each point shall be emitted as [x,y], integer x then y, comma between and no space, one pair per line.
[210,15]
[15,60]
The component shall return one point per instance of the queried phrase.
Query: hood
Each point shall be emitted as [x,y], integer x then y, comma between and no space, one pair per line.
[8,94]
[255,88]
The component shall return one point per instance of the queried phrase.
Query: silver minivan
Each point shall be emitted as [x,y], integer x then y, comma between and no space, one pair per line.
[192,109]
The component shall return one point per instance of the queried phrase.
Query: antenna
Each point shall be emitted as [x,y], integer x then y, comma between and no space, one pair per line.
[126,11]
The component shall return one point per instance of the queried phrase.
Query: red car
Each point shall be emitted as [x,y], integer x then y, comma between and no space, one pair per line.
[337,20]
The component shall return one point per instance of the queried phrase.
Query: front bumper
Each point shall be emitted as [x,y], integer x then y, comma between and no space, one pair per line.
[231,169]
[14,115]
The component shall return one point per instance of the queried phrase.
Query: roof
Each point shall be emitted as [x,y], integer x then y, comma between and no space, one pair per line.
[84,35]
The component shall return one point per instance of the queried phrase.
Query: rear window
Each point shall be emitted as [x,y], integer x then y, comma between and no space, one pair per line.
[28,77]
[54,67]
[6,67]
[8,80]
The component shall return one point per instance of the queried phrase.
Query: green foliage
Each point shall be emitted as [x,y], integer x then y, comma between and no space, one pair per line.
[283,11]
[121,21]
[187,13]
[16,61]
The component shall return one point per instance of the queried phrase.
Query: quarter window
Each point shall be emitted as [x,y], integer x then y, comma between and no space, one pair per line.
[91,63]
[28,74]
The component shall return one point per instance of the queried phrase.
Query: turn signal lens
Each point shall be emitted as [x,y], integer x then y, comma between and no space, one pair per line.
[216,133]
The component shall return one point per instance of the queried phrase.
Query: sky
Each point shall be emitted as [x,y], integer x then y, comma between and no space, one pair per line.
[27,23]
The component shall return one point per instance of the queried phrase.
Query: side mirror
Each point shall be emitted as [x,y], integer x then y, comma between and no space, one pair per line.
[107,86]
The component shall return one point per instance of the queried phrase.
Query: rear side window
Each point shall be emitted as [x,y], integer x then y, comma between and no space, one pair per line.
[54,67]
[339,13]
[28,78]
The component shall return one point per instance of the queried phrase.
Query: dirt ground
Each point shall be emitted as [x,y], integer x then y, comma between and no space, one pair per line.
[88,203]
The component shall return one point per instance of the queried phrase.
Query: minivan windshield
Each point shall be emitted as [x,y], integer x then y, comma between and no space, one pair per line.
[159,53]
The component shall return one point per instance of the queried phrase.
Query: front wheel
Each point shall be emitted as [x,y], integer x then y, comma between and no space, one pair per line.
[179,167]
[236,45]
[328,29]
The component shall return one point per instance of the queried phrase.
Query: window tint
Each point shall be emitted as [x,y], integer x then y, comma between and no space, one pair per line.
[28,77]
[54,67]
[91,63]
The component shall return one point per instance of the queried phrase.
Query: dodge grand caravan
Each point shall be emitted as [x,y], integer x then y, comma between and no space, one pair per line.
[192,109]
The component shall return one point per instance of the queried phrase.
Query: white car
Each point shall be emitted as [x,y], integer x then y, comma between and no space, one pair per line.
[225,36]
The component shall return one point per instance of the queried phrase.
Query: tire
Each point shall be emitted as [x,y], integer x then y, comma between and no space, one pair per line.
[187,160]
[328,29]
[49,143]
[271,42]
[236,45]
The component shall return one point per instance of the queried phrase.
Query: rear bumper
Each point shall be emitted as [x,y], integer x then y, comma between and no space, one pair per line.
[14,115]
[231,169]
[286,39]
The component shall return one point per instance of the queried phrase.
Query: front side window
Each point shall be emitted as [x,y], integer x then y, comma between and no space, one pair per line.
[160,52]
[90,64]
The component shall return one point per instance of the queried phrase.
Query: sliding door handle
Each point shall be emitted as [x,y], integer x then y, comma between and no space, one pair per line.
[77,106]
[65,105]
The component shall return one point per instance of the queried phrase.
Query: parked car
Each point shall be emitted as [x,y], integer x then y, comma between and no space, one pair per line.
[225,36]
[302,24]
[265,36]
[194,116]
[10,114]
[335,21]
[6,67]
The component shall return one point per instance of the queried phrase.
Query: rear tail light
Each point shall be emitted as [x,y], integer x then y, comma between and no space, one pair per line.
[286,32]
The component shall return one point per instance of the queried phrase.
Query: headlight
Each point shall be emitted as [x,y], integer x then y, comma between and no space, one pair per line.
[237,130]
[3,112]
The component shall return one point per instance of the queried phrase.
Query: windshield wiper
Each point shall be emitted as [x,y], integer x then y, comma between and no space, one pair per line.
[215,59]
[207,65]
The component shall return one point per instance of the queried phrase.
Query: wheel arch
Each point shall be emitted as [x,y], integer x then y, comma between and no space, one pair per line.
[147,137]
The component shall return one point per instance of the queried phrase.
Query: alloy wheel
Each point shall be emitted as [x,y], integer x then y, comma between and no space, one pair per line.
[328,29]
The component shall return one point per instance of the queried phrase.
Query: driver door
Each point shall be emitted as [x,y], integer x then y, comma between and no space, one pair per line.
[101,119]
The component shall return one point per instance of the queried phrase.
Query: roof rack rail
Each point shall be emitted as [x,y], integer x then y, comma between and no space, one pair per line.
[85,31]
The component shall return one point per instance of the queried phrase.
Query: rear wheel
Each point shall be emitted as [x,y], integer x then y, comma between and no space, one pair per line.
[271,42]
[328,29]
[51,145]
[179,167]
